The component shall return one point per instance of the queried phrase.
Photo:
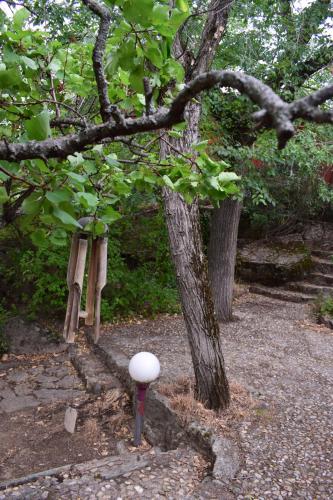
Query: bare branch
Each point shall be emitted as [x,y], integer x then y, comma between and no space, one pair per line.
[58,122]
[275,113]
[98,53]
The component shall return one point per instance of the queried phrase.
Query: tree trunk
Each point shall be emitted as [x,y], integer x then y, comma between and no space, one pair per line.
[222,250]
[192,276]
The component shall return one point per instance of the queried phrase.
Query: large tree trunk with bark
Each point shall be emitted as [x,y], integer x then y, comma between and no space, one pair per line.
[183,223]
[222,250]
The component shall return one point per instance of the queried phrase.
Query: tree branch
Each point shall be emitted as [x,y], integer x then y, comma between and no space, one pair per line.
[275,113]
[98,53]
[218,13]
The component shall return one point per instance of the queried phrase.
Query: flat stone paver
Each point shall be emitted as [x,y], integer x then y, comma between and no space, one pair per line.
[29,385]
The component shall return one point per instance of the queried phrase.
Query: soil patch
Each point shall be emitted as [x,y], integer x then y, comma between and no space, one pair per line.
[35,391]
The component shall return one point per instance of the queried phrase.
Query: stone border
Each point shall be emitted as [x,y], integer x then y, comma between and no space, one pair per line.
[162,425]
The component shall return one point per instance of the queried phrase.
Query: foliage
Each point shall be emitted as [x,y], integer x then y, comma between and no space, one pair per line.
[140,274]
[324,306]
[291,55]
[45,80]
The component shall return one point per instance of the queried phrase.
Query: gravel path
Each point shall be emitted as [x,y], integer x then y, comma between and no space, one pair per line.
[153,475]
[286,362]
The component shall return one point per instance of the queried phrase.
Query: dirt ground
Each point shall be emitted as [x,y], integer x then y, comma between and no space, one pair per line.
[35,391]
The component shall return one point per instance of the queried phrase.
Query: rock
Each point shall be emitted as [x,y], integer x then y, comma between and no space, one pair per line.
[17,403]
[69,382]
[56,394]
[227,460]
[17,376]
[7,393]
[23,390]
[273,263]
[4,357]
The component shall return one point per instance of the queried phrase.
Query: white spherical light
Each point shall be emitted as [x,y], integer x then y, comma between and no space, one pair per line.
[144,367]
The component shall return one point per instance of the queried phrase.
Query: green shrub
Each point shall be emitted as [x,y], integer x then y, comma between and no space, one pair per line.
[324,305]
[140,274]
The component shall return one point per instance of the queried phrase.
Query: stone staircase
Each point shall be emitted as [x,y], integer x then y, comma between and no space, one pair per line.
[319,281]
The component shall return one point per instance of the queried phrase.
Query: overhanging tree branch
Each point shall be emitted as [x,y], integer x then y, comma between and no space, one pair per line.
[98,53]
[275,113]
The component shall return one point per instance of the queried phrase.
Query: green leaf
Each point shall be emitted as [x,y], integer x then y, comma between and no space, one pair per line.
[65,218]
[38,237]
[54,65]
[225,177]
[112,161]
[31,205]
[160,14]
[58,237]
[3,195]
[58,196]
[110,215]
[138,13]
[99,228]
[174,69]
[76,159]
[201,146]
[182,5]
[20,16]
[155,56]
[10,79]
[76,177]
[168,182]
[87,200]
[177,18]
[136,78]
[30,63]
[38,127]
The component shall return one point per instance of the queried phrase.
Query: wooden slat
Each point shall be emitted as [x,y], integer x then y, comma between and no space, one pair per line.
[77,289]
[92,276]
[70,276]
[101,282]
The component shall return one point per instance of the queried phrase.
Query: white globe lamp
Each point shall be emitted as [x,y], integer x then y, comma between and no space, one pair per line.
[144,368]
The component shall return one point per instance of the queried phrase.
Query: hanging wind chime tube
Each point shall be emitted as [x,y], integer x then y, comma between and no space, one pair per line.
[97,272]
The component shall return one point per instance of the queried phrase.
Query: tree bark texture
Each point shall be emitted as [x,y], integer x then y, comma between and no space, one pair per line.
[222,250]
[183,224]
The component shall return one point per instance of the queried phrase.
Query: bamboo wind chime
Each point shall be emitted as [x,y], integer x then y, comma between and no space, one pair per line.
[96,281]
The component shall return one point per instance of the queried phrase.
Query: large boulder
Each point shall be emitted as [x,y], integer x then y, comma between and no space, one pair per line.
[273,263]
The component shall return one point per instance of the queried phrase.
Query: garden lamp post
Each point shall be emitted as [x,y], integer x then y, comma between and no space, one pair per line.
[144,368]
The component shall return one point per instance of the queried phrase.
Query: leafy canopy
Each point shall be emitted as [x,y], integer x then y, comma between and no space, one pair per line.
[48,88]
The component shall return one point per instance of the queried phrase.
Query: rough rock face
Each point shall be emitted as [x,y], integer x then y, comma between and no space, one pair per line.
[273,263]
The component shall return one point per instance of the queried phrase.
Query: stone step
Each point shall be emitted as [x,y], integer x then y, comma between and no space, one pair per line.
[309,288]
[321,265]
[281,294]
[320,279]
[324,254]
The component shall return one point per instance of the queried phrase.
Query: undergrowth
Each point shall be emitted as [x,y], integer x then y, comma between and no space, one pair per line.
[140,278]
[324,306]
